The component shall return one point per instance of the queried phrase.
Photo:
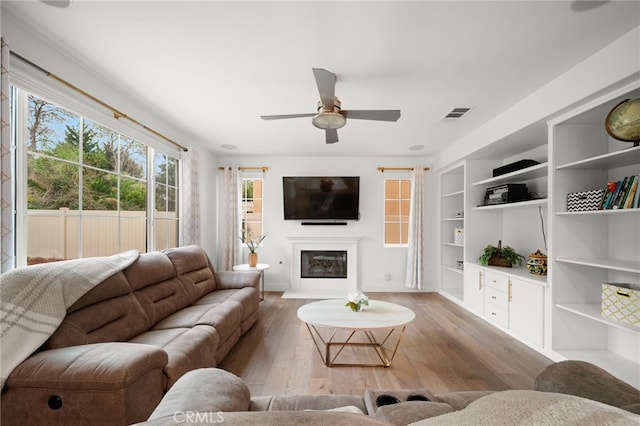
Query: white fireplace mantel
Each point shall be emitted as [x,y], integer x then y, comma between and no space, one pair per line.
[323,288]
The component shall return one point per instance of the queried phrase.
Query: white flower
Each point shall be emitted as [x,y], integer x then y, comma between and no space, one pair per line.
[357,297]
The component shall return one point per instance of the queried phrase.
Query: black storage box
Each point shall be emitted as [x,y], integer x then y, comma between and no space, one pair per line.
[507,193]
[512,167]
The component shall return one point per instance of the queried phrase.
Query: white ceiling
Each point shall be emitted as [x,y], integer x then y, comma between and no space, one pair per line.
[211,68]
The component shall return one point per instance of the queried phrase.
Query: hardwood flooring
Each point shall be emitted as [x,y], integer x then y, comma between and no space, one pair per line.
[444,349]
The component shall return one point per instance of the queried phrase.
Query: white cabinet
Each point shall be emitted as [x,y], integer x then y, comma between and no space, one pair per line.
[474,289]
[508,297]
[526,311]
[496,298]
[593,247]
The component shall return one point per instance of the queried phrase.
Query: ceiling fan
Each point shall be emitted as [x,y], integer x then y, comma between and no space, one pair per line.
[329,115]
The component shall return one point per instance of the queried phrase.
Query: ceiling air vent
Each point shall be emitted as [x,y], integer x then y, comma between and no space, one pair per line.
[456,113]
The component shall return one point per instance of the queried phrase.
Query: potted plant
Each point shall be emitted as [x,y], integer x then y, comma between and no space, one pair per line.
[252,244]
[500,256]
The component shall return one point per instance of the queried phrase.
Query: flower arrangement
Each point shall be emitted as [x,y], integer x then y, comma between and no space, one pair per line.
[251,243]
[357,300]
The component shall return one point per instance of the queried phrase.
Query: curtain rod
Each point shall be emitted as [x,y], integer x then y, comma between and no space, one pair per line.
[382,169]
[116,113]
[263,168]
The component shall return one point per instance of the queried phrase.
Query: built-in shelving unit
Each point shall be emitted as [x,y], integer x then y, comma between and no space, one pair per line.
[558,314]
[452,218]
[593,247]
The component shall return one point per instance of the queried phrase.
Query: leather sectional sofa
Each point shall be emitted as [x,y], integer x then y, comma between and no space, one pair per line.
[126,341]
[572,393]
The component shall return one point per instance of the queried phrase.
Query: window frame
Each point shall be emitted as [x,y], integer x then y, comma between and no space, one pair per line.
[19,104]
[252,176]
[399,177]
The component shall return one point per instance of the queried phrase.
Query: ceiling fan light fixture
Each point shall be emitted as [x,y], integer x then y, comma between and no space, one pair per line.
[329,120]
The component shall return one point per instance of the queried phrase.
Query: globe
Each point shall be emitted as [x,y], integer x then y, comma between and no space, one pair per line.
[623,121]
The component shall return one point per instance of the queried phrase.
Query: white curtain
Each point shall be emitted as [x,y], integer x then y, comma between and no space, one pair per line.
[415,250]
[231,244]
[7,231]
[190,218]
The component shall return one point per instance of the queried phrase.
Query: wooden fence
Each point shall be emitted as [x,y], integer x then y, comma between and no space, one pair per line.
[59,234]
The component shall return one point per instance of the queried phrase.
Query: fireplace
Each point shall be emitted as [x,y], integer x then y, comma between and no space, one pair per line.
[323,264]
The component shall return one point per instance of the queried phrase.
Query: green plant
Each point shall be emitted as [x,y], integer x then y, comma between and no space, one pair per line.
[505,252]
[252,243]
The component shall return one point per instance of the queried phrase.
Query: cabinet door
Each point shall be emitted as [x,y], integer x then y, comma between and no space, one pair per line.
[474,289]
[526,311]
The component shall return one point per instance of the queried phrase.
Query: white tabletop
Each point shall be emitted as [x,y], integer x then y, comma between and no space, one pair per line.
[333,313]
[246,267]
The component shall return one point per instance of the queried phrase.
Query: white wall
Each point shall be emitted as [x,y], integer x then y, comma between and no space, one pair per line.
[612,65]
[375,261]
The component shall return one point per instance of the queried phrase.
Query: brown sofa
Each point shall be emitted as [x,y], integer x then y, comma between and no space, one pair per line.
[126,341]
[572,393]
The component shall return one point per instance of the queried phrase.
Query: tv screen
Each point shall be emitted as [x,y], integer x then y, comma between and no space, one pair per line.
[321,198]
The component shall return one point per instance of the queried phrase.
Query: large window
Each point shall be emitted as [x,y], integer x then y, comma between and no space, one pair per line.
[397,199]
[88,187]
[252,207]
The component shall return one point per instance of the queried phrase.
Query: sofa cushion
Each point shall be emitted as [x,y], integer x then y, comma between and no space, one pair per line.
[187,348]
[193,267]
[306,402]
[205,390]
[155,284]
[107,313]
[525,407]
[248,297]
[224,317]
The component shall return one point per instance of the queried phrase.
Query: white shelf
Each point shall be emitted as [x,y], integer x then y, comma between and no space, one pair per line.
[520,204]
[453,269]
[600,212]
[516,271]
[622,158]
[453,244]
[533,172]
[592,312]
[455,293]
[454,194]
[632,266]
[449,219]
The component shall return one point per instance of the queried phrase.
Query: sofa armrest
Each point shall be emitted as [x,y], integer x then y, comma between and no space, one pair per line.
[210,390]
[580,378]
[237,279]
[122,382]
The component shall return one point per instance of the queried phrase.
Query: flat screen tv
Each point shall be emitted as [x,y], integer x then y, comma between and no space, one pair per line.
[321,197]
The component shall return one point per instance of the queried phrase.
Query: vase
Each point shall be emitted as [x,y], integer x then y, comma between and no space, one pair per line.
[253,259]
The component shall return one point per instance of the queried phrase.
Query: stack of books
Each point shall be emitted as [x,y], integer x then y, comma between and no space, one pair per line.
[623,194]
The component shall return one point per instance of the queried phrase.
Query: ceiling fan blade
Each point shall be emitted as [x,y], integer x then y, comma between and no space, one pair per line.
[279,117]
[373,114]
[326,82]
[332,135]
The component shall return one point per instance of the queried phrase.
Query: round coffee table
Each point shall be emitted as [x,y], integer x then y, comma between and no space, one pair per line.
[333,314]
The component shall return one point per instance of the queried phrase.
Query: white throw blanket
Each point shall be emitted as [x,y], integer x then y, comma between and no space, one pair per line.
[34,301]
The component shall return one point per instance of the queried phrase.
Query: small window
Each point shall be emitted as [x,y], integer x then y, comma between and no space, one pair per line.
[252,207]
[397,198]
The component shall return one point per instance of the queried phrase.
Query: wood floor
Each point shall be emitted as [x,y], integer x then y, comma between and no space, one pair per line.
[444,349]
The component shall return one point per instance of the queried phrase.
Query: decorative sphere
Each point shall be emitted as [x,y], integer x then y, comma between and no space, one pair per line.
[623,121]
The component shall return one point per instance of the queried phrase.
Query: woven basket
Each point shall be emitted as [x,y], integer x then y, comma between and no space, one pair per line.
[499,260]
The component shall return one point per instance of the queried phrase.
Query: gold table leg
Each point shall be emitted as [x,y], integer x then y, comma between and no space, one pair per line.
[378,347]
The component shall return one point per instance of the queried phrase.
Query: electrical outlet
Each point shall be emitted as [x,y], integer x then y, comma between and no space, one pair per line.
[387,277]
